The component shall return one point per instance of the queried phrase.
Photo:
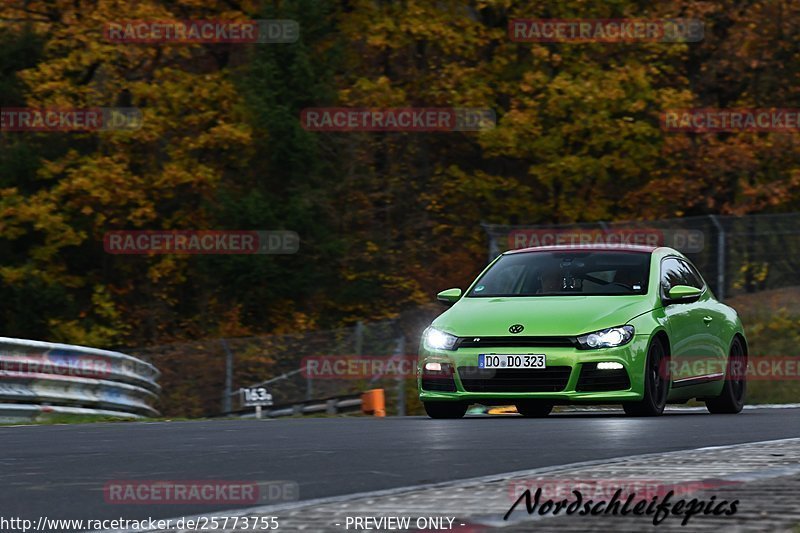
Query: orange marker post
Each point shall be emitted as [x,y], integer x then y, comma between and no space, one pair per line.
[373,402]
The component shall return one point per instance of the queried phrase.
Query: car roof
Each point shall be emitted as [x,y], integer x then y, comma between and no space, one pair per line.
[584,247]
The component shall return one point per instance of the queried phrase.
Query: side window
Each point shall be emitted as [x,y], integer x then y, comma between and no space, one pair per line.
[692,276]
[672,273]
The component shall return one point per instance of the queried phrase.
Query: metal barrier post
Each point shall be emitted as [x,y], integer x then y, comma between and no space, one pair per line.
[401,380]
[720,257]
[226,399]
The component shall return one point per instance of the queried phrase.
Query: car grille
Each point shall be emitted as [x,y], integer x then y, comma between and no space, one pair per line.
[439,384]
[594,380]
[551,379]
[516,342]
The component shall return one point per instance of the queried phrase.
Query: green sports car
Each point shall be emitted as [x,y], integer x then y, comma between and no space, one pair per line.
[629,325]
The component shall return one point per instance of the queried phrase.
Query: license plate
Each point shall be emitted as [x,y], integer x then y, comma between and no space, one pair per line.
[511,361]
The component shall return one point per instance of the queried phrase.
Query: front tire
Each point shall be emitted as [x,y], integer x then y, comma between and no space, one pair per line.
[731,399]
[445,409]
[656,383]
[533,408]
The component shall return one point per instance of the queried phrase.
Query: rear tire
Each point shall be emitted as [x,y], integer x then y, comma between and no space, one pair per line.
[656,383]
[445,409]
[731,399]
[534,408]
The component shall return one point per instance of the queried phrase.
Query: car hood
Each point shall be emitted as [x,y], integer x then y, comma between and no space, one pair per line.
[540,315]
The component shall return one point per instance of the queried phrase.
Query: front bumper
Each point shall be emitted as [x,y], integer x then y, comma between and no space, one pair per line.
[568,365]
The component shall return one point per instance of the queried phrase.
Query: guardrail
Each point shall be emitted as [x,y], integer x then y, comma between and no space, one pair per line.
[38,378]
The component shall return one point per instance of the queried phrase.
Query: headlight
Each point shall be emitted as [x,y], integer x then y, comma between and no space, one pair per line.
[438,340]
[606,338]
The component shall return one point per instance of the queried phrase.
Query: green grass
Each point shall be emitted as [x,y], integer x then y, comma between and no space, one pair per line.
[68,419]
[51,419]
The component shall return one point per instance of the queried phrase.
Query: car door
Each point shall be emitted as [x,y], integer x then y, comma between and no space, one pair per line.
[712,342]
[685,324]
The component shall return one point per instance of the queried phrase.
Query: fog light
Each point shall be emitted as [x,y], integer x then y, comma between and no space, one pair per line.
[609,366]
[433,367]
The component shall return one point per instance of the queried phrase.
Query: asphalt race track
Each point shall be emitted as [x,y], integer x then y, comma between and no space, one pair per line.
[59,471]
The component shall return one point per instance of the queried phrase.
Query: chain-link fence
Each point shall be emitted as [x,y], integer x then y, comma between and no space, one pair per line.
[735,254]
[203,378]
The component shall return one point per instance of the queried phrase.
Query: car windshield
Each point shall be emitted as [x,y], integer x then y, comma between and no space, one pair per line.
[585,273]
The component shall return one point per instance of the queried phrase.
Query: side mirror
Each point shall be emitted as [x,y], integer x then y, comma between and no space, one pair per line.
[450,296]
[683,294]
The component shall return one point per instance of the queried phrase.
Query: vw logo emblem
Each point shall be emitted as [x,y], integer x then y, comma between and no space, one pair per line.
[516,328]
